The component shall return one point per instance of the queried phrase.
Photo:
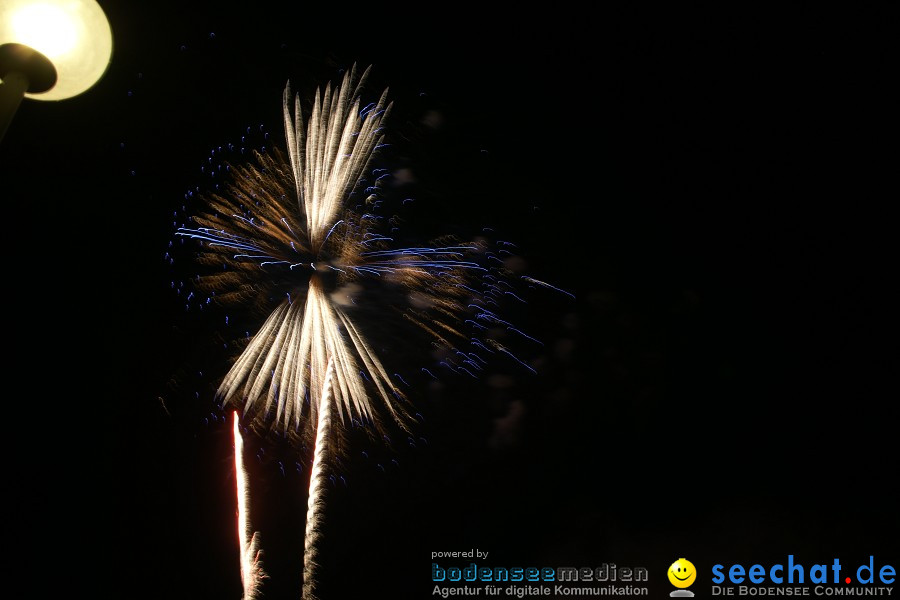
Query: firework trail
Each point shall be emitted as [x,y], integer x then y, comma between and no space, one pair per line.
[251,567]
[316,479]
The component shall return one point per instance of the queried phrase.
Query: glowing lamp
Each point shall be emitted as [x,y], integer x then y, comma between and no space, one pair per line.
[50,50]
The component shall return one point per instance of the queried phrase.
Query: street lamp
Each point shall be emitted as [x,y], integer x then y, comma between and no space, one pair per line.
[50,50]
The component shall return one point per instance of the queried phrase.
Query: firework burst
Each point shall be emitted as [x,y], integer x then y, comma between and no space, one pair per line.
[297,233]
[297,237]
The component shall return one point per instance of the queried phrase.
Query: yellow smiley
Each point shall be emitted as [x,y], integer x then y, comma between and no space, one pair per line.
[682,573]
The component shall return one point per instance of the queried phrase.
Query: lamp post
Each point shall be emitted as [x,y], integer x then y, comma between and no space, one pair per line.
[50,50]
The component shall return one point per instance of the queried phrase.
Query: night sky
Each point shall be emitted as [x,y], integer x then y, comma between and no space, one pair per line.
[711,186]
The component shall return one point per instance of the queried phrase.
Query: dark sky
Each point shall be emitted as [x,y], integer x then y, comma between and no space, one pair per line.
[712,186]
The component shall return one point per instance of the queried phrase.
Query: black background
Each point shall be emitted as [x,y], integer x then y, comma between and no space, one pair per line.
[711,185]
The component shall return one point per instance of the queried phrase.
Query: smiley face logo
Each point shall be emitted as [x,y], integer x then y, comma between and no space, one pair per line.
[682,573]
